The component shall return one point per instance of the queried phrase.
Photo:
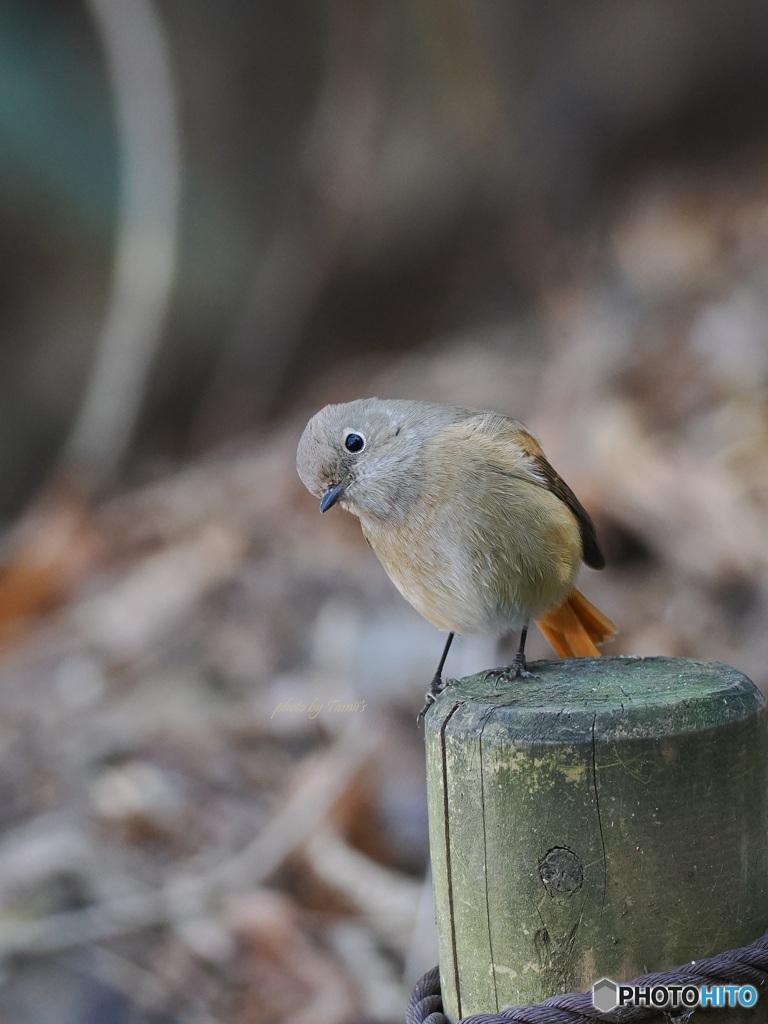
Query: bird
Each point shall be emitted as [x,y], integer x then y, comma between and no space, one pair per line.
[467,516]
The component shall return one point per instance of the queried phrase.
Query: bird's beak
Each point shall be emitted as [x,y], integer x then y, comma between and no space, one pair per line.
[331,496]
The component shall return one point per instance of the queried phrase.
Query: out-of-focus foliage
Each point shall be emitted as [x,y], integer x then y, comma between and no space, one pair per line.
[215,218]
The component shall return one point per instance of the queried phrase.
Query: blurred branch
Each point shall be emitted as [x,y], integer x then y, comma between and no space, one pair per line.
[138,64]
[387,898]
[186,896]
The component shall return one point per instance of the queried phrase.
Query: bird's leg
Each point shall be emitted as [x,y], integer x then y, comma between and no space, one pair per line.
[437,685]
[519,667]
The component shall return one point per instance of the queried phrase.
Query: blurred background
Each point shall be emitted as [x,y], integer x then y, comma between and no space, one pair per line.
[216,218]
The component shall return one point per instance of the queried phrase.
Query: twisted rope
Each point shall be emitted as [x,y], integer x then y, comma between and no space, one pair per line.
[745,966]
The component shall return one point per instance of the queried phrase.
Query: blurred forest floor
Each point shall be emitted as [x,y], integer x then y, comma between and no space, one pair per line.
[212,803]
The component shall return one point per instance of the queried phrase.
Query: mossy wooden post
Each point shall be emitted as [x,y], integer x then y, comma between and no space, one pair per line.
[607,817]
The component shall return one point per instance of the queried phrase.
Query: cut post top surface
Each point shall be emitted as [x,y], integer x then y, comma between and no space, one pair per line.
[623,697]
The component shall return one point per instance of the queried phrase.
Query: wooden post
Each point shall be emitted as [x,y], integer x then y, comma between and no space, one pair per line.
[606,818]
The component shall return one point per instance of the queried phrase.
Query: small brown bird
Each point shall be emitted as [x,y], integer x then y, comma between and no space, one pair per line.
[465,513]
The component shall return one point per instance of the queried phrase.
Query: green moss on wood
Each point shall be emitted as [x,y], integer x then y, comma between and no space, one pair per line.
[646,778]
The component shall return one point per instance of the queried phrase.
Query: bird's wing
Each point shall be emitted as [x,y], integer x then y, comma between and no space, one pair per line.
[537,467]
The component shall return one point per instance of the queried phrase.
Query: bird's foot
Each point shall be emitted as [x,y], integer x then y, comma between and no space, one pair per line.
[436,687]
[517,670]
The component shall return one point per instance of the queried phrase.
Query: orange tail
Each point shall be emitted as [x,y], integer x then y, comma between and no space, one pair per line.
[575,627]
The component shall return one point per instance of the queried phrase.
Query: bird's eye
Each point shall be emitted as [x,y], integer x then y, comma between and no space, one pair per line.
[354,442]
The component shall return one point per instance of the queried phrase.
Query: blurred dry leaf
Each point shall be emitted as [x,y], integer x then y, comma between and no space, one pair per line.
[291,978]
[48,553]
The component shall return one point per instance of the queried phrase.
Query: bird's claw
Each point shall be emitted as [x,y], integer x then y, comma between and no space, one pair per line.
[517,670]
[436,687]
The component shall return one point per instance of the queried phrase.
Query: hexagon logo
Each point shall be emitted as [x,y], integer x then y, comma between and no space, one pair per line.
[605,995]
